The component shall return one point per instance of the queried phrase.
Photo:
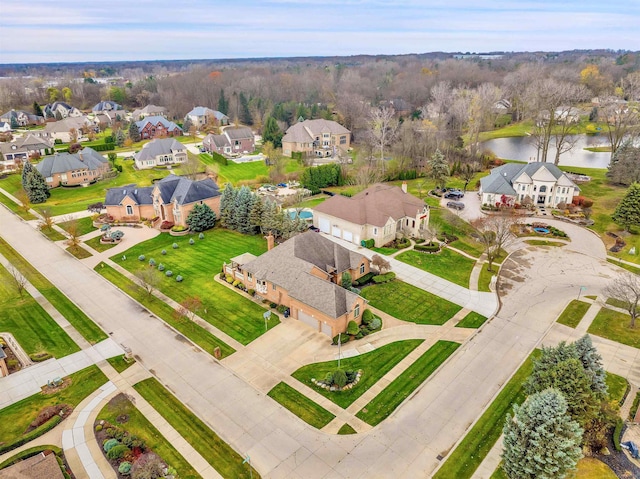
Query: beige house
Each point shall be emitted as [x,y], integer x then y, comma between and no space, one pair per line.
[160,152]
[61,130]
[170,200]
[68,169]
[304,274]
[4,371]
[380,212]
[319,138]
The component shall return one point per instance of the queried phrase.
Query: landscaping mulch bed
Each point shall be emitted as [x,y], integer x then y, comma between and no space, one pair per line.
[47,413]
[619,462]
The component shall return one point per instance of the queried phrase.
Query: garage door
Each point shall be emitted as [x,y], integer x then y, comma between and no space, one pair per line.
[335,231]
[326,329]
[308,319]
[348,235]
[324,224]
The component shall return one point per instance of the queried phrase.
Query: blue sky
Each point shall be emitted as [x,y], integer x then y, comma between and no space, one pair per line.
[103,30]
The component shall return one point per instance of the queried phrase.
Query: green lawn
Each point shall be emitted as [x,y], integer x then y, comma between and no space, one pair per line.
[472,320]
[617,386]
[409,303]
[380,407]
[484,280]
[374,364]
[194,332]
[628,267]
[138,425]
[615,326]
[385,251]
[226,309]
[300,405]
[80,321]
[346,429]
[52,234]
[479,440]
[218,453]
[95,244]
[313,201]
[447,264]
[79,252]
[573,313]
[617,303]
[13,207]
[447,222]
[121,364]
[235,172]
[634,407]
[31,325]
[16,418]
[543,243]
[85,225]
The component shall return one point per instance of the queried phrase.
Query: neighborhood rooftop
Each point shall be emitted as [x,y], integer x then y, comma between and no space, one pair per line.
[307,130]
[184,191]
[501,179]
[140,194]
[86,158]
[159,147]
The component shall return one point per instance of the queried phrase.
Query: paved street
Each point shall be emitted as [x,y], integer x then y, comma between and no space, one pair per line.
[538,284]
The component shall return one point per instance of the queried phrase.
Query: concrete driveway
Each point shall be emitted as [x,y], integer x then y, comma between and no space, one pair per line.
[471,209]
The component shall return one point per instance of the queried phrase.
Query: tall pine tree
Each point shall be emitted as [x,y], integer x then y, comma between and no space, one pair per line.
[201,218]
[134,132]
[271,132]
[27,167]
[37,110]
[627,213]
[227,200]
[36,189]
[241,209]
[223,103]
[245,113]
[592,363]
[256,214]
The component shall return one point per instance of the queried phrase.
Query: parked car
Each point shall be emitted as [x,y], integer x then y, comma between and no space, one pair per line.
[454,194]
[313,228]
[456,205]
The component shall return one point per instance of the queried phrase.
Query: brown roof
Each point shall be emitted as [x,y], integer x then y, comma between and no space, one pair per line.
[36,467]
[373,206]
[307,130]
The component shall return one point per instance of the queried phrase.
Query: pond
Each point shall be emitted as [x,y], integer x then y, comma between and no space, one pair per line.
[522,149]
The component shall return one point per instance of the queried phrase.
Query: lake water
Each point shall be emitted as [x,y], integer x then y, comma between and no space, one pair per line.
[522,149]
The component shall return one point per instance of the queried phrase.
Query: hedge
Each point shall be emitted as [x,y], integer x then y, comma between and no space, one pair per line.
[427,248]
[368,243]
[364,279]
[39,431]
[617,434]
[384,278]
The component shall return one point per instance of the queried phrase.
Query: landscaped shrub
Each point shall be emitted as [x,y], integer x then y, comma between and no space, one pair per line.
[365,279]
[344,338]
[160,267]
[235,283]
[339,378]
[376,323]
[124,468]
[352,328]
[370,243]
[152,262]
[179,279]
[251,292]
[228,278]
[272,305]
[178,228]
[164,251]
[110,444]
[39,357]
[174,245]
[367,316]
[384,278]
[617,434]
[99,428]
[142,257]
[191,241]
[168,273]
[281,308]
[427,248]
[118,452]
[201,236]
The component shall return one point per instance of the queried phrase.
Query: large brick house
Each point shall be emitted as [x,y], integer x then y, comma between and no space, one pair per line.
[232,141]
[160,152]
[304,274]
[170,200]
[83,167]
[157,127]
[379,213]
[320,138]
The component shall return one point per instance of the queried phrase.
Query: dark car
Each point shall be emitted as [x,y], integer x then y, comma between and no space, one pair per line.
[456,205]
[454,194]
[313,228]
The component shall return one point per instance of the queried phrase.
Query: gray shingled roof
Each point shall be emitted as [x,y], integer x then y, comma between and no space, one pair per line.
[373,206]
[159,146]
[141,195]
[169,125]
[149,110]
[63,162]
[500,180]
[66,124]
[299,133]
[289,265]
[238,133]
[184,191]
[219,141]
[106,105]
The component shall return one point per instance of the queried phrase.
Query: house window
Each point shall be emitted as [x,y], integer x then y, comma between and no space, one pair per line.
[543,189]
[129,210]
[273,286]
[249,277]
[362,268]
[535,188]
[343,140]
[375,231]
[356,311]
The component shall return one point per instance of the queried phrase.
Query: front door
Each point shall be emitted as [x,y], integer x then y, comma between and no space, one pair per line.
[542,199]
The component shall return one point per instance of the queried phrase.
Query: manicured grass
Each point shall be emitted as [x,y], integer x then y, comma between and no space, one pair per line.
[85,225]
[374,364]
[617,303]
[138,425]
[52,234]
[121,364]
[447,264]
[217,452]
[615,326]
[479,440]
[235,172]
[591,296]
[617,386]
[225,308]
[591,468]
[573,313]
[543,243]
[16,418]
[628,267]
[79,252]
[472,320]
[95,244]
[634,407]
[80,321]
[194,332]
[484,280]
[381,406]
[31,325]
[313,201]
[511,130]
[447,222]
[300,405]
[345,429]
[409,303]
[14,208]
[499,474]
[385,251]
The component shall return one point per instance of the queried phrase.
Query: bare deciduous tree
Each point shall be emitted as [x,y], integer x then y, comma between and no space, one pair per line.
[23,198]
[189,307]
[73,232]
[622,120]
[148,279]
[380,263]
[494,233]
[626,289]
[18,280]
[191,167]
[383,128]
[46,222]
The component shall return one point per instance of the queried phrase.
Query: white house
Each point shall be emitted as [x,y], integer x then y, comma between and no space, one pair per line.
[160,152]
[377,213]
[544,183]
[200,116]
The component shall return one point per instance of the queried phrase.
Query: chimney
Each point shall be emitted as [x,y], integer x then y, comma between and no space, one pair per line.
[270,242]
[404,186]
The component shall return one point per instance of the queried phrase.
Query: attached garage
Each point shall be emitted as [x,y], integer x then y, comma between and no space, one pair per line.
[335,231]
[347,235]
[308,319]
[326,329]
[324,224]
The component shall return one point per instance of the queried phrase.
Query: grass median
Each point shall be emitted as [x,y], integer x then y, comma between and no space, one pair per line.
[446,264]
[300,405]
[573,313]
[472,320]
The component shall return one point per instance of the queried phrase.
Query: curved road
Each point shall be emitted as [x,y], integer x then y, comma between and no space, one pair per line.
[538,284]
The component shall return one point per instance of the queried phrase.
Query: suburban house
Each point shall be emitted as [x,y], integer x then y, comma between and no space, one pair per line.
[149,110]
[304,274]
[233,140]
[316,138]
[543,183]
[66,169]
[22,118]
[106,106]
[170,199]
[61,130]
[157,127]
[201,115]
[22,149]
[38,466]
[60,109]
[4,371]
[105,118]
[380,212]
[5,127]
[160,152]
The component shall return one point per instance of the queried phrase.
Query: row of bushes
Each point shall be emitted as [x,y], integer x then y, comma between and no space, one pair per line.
[370,323]
[39,357]
[384,278]
[364,279]
[30,436]
[427,248]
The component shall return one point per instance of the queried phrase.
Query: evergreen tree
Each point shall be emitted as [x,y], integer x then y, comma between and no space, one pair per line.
[245,113]
[58,116]
[223,103]
[14,123]
[439,169]
[271,132]
[270,221]
[27,168]
[134,132]
[241,209]
[186,126]
[227,200]
[119,139]
[201,218]
[627,213]
[36,187]
[256,214]
[37,110]
[592,363]
[541,441]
